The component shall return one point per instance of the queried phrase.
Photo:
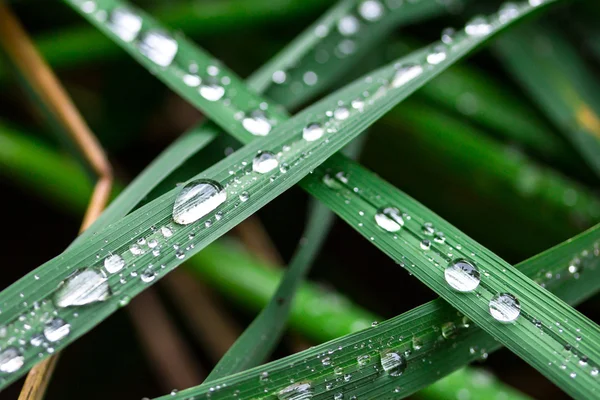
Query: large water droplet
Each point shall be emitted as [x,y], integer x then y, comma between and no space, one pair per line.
[56,329]
[296,391]
[437,55]
[371,10]
[85,287]
[348,25]
[11,360]
[478,26]
[257,123]
[159,47]
[462,276]
[196,199]
[124,23]
[405,74]
[393,363]
[341,113]
[113,263]
[264,162]
[148,275]
[312,131]
[390,219]
[505,307]
[211,90]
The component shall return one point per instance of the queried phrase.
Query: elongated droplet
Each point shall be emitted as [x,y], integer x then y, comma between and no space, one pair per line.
[257,123]
[196,199]
[462,276]
[124,23]
[85,287]
[56,329]
[505,307]
[113,263]
[159,47]
[393,363]
[478,26]
[264,162]
[11,360]
[211,90]
[390,219]
[296,391]
[405,74]
[312,132]
[437,55]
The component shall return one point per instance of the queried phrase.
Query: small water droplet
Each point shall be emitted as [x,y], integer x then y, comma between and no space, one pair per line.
[389,218]
[124,23]
[462,276]
[56,330]
[85,287]
[196,199]
[159,47]
[478,26]
[448,35]
[211,90]
[437,55]
[505,307]
[11,360]
[393,363]
[449,330]
[244,196]
[264,162]
[371,10]
[257,123]
[312,132]
[296,391]
[113,263]
[405,74]
[363,360]
[279,77]
[310,78]
[425,244]
[341,113]
[148,275]
[348,25]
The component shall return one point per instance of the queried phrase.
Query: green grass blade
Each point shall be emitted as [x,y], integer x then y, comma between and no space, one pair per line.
[263,334]
[555,77]
[417,335]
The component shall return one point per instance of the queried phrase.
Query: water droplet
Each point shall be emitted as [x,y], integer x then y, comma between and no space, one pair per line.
[264,162]
[448,35]
[296,391]
[389,218]
[257,123]
[326,361]
[310,78]
[166,232]
[11,360]
[428,228]
[196,199]
[37,340]
[462,276]
[135,250]
[508,12]
[279,77]
[348,25]
[159,47]
[124,23]
[312,132]
[405,74]
[56,329]
[113,263]
[437,55]
[393,363]
[478,26]
[148,275]
[371,10]
[191,80]
[505,307]
[85,287]
[425,244]
[363,360]
[211,90]
[417,343]
[449,330]
[244,196]
[341,113]
[594,372]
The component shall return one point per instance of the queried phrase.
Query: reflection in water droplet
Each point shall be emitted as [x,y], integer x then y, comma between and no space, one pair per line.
[257,123]
[462,276]
[393,363]
[211,90]
[11,360]
[505,307]
[312,132]
[264,162]
[85,287]
[113,263]
[389,218]
[296,391]
[124,23]
[159,47]
[56,329]
[478,26]
[405,74]
[196,199]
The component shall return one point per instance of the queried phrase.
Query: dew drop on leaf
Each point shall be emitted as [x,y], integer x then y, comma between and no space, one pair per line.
[264,162]
[211,90]
[312,132]
[389,219]
[196,199]
[406,73]
[478,26]
[348,25]
[85,287]
[296,391]
[113,263]
[371,10]
[505,307]
[257,123]
[56,330]
[462,276]
[159,47]
[11,360]
[124,23]
[393,363]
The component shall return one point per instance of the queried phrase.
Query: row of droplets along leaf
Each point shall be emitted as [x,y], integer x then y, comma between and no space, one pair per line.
[90,285]
[340,368]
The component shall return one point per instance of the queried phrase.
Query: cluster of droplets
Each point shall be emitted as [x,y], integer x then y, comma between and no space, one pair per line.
[586,259]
